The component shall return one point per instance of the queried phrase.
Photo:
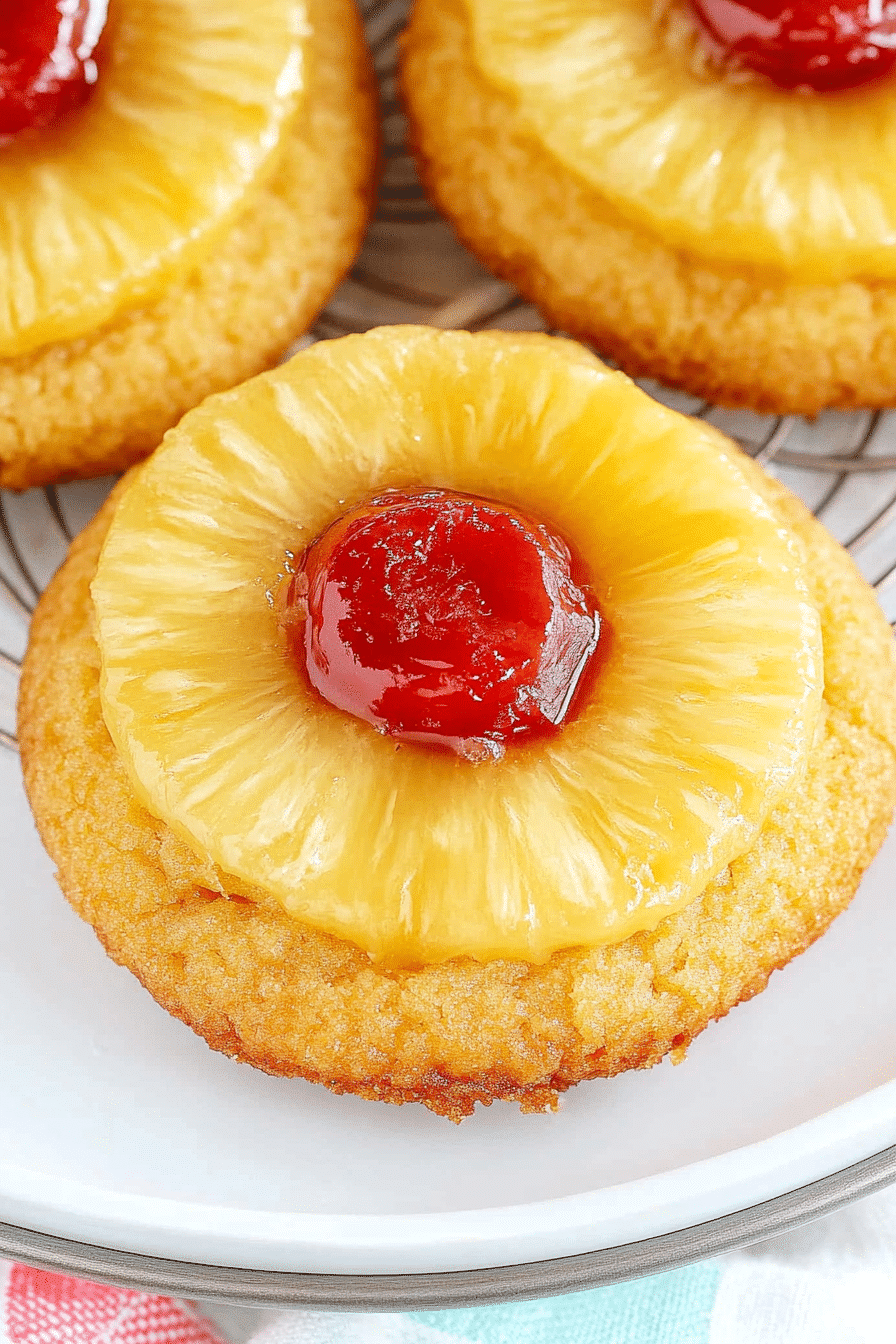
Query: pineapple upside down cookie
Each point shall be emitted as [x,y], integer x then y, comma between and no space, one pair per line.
[687,185]
[268,739]
[179,195]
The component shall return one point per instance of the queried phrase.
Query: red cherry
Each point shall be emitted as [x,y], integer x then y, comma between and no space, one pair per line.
[443,619]
[46,59]
[805,42]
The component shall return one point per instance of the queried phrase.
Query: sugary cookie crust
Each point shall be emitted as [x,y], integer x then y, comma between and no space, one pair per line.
[98,404]
[729,335]
[270,991]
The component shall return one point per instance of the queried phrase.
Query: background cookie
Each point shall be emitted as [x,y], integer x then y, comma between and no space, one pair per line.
[97,404]
[735,335]
[267,990]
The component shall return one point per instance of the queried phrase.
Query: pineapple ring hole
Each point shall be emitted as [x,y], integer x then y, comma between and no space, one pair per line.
[47,65]
[443,619]
[809,44]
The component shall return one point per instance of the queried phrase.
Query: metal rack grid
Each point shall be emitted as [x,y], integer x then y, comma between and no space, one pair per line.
[412,269]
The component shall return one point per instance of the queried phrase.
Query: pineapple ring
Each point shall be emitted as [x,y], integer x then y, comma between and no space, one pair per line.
[96,405]
[738,173]
[753,339]
[661,781]
[187,115]
[275,993]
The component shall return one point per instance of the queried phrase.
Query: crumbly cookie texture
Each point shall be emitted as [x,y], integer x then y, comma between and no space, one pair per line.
[98,404]
[292,1001]
[728,334]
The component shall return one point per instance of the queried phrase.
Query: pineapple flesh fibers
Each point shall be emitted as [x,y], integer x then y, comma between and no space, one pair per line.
[733,171]
[100,210]
[699,720]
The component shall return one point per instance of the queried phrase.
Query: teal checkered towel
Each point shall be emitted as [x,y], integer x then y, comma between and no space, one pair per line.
[833,1282]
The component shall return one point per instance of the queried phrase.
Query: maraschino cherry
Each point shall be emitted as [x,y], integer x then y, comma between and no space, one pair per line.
[808,43]
[443,619]
[47,61]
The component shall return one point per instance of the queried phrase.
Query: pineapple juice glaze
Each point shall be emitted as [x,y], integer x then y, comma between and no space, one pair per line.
[738,173]
[699,721]
[186,118]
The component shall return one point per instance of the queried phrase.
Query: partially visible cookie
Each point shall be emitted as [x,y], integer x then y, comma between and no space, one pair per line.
[95,405]
[739,335]
[268,989]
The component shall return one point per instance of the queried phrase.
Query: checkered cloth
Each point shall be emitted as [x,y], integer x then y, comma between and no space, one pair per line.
[37,1307]
[831,1283]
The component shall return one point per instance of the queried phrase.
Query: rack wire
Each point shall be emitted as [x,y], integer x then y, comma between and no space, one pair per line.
[412,269]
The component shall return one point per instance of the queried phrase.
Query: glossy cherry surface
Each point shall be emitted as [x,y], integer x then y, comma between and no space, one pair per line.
[444,619]
[823,46]
[47,62]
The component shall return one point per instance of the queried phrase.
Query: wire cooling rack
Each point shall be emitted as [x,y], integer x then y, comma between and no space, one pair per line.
[412,269]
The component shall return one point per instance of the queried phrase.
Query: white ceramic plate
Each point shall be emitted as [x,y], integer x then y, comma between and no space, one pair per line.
[120,1129]
[129,1151]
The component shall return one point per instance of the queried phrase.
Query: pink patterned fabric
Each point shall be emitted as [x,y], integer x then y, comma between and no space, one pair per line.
[37,1307]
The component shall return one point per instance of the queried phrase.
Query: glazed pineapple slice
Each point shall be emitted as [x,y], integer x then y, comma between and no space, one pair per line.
[739,172]
[99,209]
[698,720]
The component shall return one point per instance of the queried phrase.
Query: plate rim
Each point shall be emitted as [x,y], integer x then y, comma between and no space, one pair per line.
[585,1228]
[590,1222]
[455,1288]
[441,1289]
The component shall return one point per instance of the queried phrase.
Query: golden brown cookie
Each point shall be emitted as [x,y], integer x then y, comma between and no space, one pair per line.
[739,335]
[266,989]
[97,404]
